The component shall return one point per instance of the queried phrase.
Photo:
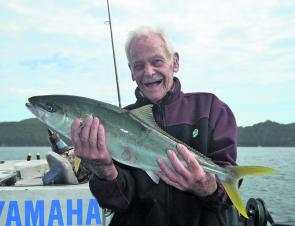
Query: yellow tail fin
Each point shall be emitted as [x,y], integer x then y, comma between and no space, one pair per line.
[231,187]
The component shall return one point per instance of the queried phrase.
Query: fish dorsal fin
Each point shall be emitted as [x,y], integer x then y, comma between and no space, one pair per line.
[145,114]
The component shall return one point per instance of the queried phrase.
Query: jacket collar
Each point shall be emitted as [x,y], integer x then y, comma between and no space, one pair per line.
[170,97]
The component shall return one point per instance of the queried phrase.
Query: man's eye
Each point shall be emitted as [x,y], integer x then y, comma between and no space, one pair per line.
[138,67]
[158,62]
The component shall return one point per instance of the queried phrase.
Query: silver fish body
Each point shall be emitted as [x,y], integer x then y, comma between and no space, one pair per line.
[132,137]
[130,140]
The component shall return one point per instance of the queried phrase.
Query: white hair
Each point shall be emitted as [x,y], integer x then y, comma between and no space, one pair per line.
[142,31]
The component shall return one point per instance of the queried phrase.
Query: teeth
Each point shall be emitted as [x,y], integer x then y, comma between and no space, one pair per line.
[152,82]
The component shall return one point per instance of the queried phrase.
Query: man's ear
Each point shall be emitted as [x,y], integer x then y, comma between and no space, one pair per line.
[175,62]
[131,72]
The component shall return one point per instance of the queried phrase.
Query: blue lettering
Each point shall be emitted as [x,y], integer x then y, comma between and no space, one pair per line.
[55,213]
[71,212]
[93,212]
[34,214]
[13,214]
[1,206]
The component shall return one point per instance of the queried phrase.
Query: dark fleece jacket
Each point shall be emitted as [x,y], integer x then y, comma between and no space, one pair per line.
[138,201]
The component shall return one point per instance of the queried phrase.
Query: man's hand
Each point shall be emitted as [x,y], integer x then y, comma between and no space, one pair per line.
[90,145]
[190,178]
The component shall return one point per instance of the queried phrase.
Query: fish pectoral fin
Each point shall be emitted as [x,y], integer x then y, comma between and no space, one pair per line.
[231,187]
[153,176]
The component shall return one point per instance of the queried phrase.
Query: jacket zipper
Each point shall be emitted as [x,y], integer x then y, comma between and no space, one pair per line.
[161,114]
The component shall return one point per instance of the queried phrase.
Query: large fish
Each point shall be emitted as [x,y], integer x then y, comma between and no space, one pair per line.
[133,137]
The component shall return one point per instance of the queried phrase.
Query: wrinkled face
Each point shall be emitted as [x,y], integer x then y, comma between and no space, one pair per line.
[151,66]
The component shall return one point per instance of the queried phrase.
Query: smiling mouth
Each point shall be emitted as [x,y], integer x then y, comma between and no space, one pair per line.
[153,84]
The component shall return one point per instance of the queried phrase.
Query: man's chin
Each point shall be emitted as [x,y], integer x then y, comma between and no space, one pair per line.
[154,98]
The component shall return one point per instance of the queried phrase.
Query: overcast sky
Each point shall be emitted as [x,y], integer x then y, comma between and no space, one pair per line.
[242,51]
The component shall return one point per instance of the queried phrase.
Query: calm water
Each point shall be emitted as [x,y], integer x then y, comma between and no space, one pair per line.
[20,153]
[278,190]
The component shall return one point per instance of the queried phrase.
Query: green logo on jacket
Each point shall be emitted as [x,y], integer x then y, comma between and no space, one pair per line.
[195,133]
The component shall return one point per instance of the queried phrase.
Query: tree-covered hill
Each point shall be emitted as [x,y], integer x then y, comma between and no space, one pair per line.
[268,133]
[31,132]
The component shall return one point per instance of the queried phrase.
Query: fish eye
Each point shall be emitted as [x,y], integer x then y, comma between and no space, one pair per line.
[49,107]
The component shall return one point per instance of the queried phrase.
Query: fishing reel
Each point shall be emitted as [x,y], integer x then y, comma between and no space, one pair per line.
[258,215]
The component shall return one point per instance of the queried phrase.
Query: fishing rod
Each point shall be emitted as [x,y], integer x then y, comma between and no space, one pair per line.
[114,54]
[106,212]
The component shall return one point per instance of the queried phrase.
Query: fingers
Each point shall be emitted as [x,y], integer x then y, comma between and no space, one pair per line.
[90,145]
[85,131]
[101,138]
[103,154]
[177,165]
[167,180]
[192,163]
[187,175]
[165,168]
[169,176]
[88,137]
[93,133]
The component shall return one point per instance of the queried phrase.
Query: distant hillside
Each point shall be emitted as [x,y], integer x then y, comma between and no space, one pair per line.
[31,132]
[268,133]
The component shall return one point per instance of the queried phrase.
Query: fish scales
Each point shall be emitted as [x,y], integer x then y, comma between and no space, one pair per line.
[133,138]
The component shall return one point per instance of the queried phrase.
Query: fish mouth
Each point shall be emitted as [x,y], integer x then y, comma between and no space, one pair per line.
[35,111]
[32,108]
[29,105]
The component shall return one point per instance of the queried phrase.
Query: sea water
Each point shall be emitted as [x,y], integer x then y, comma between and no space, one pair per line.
[20,153]
[277,190]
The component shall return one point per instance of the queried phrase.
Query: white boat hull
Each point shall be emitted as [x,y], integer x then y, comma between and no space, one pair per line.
[35,204]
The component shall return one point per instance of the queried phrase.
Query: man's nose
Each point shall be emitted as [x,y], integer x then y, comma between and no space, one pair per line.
[149,70]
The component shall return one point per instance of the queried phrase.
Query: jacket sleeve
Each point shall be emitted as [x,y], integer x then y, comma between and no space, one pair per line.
[116,194]
[222,145]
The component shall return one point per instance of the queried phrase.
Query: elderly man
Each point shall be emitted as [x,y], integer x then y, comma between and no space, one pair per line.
[186,195]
